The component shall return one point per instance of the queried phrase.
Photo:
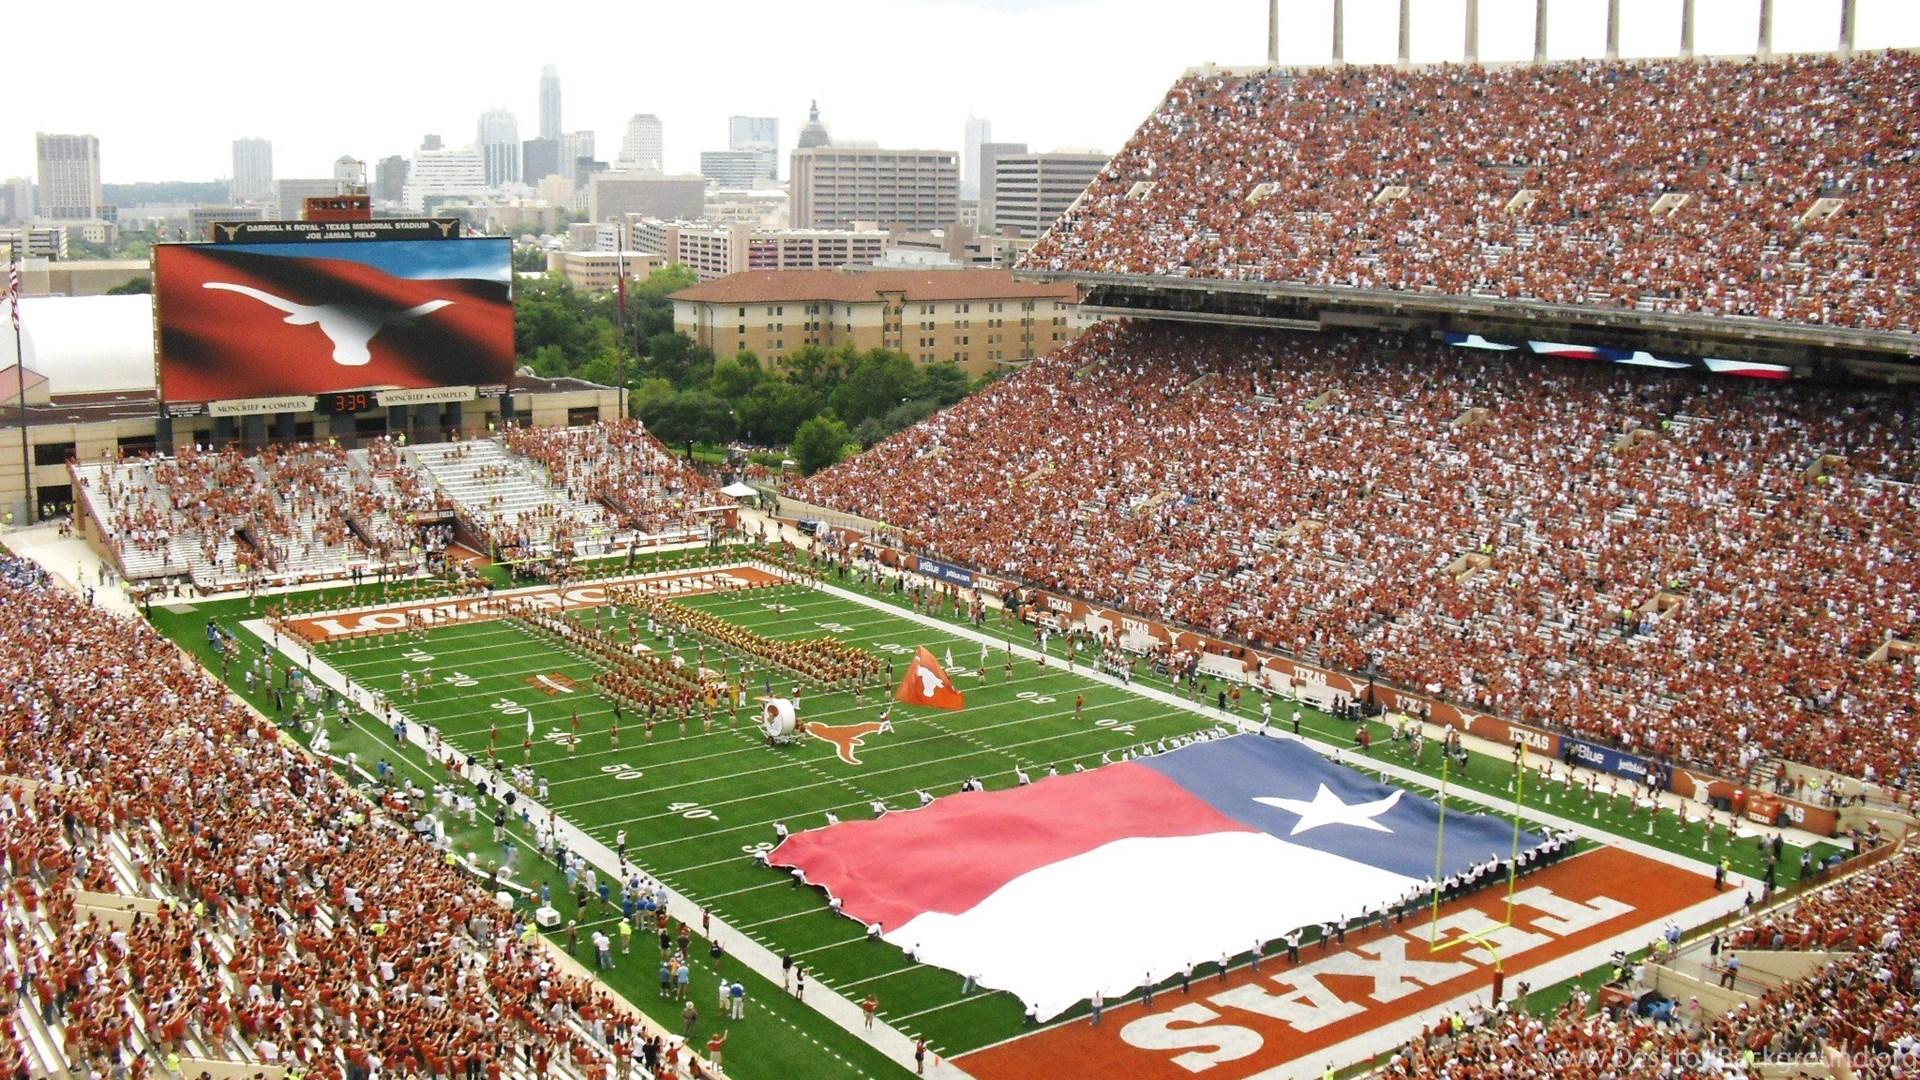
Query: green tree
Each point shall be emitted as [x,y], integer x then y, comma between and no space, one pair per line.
[647,303]
[530,259]
[876,428]
[649,391]
[552,313]
[820,442]
[820,369]
[944,383]
[870,432]
[677,357]
[736,376]
[775,410]
[139,285]
[689,417]
[663,283]
[881,380]
[610,368]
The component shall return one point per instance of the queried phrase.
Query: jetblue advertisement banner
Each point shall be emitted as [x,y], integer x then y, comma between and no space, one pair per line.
[1608,760]
[947,572]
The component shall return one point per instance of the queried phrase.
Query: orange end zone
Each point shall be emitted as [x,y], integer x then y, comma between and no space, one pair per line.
[365,622]
[1250,1023]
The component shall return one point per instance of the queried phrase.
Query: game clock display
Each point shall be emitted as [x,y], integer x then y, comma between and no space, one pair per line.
[346,401]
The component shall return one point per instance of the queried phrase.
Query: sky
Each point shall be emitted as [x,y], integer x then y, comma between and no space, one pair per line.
[903,73]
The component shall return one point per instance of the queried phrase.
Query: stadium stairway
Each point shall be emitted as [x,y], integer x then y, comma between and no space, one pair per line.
[38,1044]
[515,493]
[43,1040]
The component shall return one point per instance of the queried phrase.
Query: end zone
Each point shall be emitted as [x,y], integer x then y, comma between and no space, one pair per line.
[1377,990]
[355,623]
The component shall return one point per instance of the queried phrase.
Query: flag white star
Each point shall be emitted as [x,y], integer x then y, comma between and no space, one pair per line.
[1327,809]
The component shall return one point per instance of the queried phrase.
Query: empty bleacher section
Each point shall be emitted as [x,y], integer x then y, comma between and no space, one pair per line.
[1692,591]
[1781,190]
[308,513]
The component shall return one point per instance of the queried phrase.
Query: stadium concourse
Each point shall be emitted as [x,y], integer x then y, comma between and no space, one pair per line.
[1773,190]
[307,513]
[1705,571]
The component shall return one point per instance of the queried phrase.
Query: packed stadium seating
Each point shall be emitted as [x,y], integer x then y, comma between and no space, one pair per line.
[281,923]
[1780,190]
[1857,1007]
[1710,569]
[299,506]
[309,512]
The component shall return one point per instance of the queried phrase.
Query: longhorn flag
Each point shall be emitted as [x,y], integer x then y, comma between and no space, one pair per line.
[1038,889]
[267,320]
[927,683]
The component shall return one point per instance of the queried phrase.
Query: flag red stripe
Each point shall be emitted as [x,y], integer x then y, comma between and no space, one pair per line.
[960,850]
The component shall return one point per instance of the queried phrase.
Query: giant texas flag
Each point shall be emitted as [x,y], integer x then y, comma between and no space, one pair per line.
[1105,879]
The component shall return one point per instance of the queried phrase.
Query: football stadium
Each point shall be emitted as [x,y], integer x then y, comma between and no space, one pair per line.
[1453,616]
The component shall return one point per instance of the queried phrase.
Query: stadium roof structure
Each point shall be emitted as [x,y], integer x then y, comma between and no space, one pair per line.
[1808,348]
[867,286]
[86,344]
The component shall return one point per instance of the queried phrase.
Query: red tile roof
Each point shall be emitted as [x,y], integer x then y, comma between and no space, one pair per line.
[867,286]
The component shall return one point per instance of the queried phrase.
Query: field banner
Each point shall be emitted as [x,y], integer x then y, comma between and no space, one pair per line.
[1034,889]
[1608,760]
[276,320]
[946,572]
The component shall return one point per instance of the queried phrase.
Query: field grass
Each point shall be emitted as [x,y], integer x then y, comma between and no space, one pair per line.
[695,806]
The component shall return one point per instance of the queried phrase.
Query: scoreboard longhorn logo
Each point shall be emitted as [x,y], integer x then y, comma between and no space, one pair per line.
[350,327]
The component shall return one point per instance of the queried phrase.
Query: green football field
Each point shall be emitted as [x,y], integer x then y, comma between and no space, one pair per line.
[697,805]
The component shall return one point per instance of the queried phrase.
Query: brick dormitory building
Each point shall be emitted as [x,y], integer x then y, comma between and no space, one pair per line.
[979,319]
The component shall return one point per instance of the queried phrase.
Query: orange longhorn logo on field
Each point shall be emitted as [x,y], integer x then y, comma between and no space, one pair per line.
[844,737]
[553,683]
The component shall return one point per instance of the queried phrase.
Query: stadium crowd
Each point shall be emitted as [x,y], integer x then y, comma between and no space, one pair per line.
[1540,182]
[185,515]
[300,928]
[1859,913]
[621,465]
[1703,569]
[1857,1007]
[294,502]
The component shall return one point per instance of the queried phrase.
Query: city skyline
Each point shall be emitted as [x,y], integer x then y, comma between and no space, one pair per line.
[1122,56]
